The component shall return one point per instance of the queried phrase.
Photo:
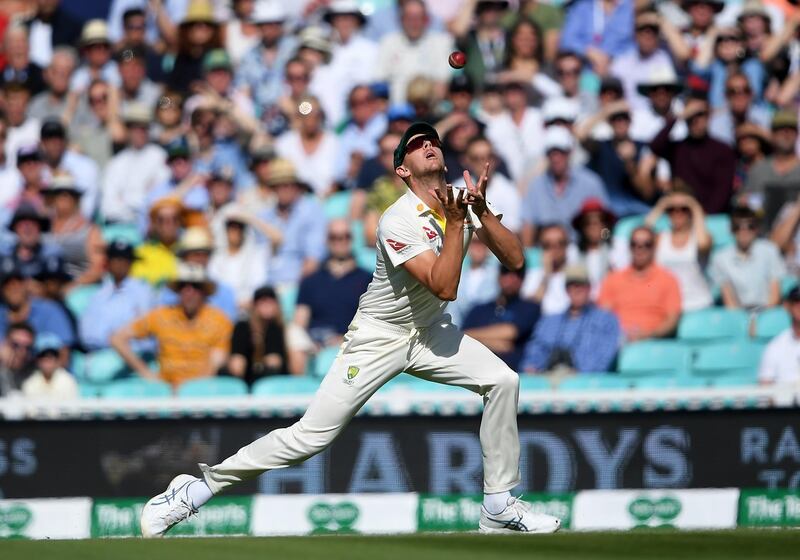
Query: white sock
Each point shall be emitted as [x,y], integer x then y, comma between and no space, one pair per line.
[496,503]
[199,492]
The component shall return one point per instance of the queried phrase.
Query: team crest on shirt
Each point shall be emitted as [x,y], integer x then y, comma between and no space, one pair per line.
[352,371]
[396,245]
[430,233]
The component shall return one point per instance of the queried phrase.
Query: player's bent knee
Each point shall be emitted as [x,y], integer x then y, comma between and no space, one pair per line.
[506,378]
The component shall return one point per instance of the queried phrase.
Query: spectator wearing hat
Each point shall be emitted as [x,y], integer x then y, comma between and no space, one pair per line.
[645,297]
[755,19]
[780,363]
[415,50]
[198,33]
[41,314]
[217,91]
[119,300]
[510,132]
[23,129]
[704,164]
[505,324]
[565,112]
[82,170]
[52,102]
[54,281]
[195,247]
[19,67]
[261,69]
[259,197]
[685,247]
[27,184]
[239,260]
[661,90]
[134,171]
[49,380]
[258,344]
[594,224]
[635,66]
[80,240]
[602,36]
[310,147]
[98,63]
[698,33]
[753,145]
[738,110]
[624,165]
[156,261]
[782,168]
[749,272]
[134,33]
[16,357]
[135,86]
[315,50]
[481,36]
[50,25]
[359,140]
[584,338]
[193,337]
[328,298]
[301,220]
[545,283]
[29,249]
[557,195]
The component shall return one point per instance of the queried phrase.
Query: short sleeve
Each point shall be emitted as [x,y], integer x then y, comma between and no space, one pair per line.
[400,240]
[767,369]
[143,326]
[776,266]
[224,328]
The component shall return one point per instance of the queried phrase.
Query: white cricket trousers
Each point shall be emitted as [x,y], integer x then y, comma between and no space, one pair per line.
[439,353]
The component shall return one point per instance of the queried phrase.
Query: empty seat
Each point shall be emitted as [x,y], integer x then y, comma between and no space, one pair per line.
[625,226]
[719,226]
[649,357]
[533,257]
[287,297]
[740,358]
[771,322]
[286,385]
[594,382]
[124,232]
[102,366]
[337,205]
[323,361]
[213,387]
[669,382]
[534,383]
[715,323]
[735,380]
[77,300]
[136,388]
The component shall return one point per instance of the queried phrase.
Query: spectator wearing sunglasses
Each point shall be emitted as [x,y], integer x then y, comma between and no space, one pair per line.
[328,298]
[683,248]
[645,297]
[738,110]
[16,356]
[50,380]
[748,272]
[193,337]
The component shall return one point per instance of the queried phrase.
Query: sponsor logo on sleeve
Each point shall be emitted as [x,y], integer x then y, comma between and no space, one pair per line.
[398,246]
[430,233]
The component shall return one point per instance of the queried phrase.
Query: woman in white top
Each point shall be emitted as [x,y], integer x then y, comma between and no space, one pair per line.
[594,224]
[684,247]
[240,34]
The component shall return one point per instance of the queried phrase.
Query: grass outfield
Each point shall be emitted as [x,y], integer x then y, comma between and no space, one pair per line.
[727,545]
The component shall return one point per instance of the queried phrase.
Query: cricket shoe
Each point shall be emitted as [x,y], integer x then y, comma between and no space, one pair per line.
[166,510]
[517,518]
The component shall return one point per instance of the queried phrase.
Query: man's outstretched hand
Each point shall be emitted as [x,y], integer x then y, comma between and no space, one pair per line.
[455,207]
[476,194]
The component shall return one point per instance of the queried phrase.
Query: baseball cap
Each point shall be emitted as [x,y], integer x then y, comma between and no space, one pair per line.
[784,119]
[558,138]
[47,342]
[53,268]
[611,83]
[416,128]
[178,148]
[28,153]
[217,59]
[263,292]
[120,249]
[560,109]
[53,128]
[401,112]
[576,274]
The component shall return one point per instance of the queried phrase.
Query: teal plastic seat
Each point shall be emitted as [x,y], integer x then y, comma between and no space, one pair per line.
[102,366]
[654,357]
[337,205]
[771,322]
[715,323]
[136,388]
[534,383]
[669,382]
[735,380]
[213,387]
[78,299]
[594,382]
[124,232]
[323,361]
[719,226]
[286,385]
[741,358]
[287,297]
[625,226]
[88,390]
[533,257]
[787,283]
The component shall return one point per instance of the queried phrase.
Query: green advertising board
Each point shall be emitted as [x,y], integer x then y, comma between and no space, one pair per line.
[462,513]
[769,508]
[223,516]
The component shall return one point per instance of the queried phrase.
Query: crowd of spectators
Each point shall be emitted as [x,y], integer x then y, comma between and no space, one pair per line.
[191,188]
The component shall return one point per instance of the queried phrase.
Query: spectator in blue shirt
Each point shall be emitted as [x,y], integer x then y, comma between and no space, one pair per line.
[599,28]
[584,338]
[19,306]
[119,300]
[301,219]
[328,298]
[29,251]
[359,140]
[506,323]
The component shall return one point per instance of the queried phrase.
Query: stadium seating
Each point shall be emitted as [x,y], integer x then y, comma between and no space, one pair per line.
[594,382]
[213,387]
[770,322]
[102,366]
[740,358]
[625,226]
[287,296]
[715,323]
[77,300]
[534,383]
[337,205]
[669,382]
[323,361]
[285,385]
[654,357]
[719,226]
[735,380]
[533,257]
[124,232]
[136,388]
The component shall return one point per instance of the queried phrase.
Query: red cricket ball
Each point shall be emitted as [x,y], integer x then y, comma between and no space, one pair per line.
[457,59]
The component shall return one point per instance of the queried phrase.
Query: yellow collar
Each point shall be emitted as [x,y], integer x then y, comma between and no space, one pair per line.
[423,209]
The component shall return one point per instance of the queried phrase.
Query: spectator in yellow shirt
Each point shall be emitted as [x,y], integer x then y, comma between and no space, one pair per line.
[156,261]
[193,337]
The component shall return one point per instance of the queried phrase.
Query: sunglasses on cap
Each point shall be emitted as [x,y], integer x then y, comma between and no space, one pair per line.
[417,143]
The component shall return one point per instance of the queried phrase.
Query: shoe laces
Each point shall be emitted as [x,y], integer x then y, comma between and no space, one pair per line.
[183,509]
[519,505]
